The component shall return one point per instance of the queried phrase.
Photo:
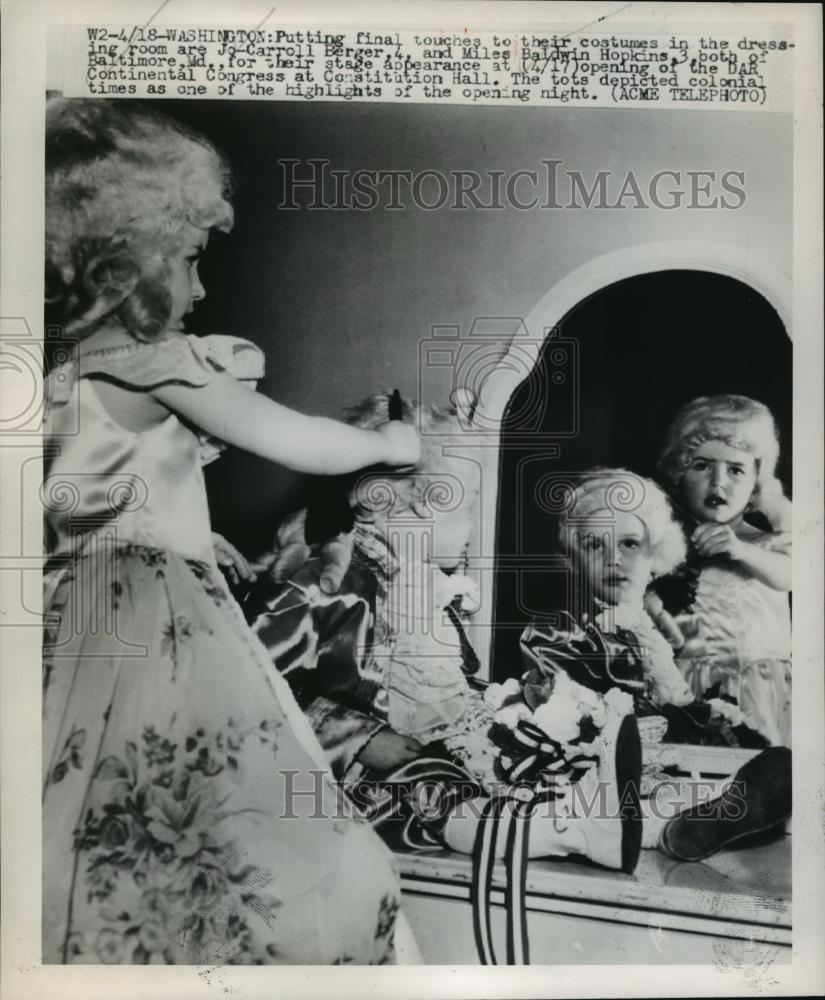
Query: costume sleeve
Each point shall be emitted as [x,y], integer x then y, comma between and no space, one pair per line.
[134,365]
[342,731]
[178,359]
[241,358]
[140,365]
[318,641]
[589,656]
[280,615]
[545,650]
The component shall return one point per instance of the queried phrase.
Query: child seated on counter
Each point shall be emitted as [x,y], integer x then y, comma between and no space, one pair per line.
[620,534]
[371,637]
[384,669]
[719,465]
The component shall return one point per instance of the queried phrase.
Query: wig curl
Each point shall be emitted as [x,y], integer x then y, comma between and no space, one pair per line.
[737,421]
[622,491]
[396,492]
[122,183]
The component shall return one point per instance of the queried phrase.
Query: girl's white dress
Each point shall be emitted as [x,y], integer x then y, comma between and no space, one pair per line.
[188,815]
[745,634]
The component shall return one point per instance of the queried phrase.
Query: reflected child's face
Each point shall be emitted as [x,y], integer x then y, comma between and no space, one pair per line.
[612,554]
[184,281]
[718,483]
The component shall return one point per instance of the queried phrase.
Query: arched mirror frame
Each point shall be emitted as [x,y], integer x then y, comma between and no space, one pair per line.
[524,350]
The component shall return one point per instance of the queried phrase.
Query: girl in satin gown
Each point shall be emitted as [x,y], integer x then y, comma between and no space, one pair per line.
[188,815]
[719,464]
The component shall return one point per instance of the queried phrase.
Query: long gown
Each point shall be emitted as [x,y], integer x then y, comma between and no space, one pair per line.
[746,628]
[188,813]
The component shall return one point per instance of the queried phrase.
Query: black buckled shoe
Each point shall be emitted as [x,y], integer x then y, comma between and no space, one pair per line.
[757,800]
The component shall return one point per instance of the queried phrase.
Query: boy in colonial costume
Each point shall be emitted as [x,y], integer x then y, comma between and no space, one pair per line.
[370,635]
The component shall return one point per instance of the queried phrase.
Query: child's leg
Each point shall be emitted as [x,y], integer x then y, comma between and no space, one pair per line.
[551,830]
[599,817]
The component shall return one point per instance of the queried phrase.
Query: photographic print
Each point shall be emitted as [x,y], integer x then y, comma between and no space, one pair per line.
[411,467]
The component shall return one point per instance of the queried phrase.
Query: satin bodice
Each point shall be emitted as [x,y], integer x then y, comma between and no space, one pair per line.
[144,488]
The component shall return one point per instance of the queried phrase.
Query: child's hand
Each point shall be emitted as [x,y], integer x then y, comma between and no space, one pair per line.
[717,540]
[664,621]
[403,443]
[230,560]
[693,632]
[388,750]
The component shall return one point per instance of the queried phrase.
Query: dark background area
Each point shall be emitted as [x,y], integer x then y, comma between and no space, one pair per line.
[645,347]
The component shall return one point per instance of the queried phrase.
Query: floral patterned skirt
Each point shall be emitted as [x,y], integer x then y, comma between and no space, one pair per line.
[188,816]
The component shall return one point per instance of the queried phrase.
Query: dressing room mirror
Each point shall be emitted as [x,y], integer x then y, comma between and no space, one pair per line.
[609,379]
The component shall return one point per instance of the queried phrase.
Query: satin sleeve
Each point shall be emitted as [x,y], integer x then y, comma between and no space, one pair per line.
[342,731]
[142,365]
[177,359]
[241,358]
[589,656]
[318,641]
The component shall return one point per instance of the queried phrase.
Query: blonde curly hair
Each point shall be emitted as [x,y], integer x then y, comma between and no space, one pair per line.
[122,183]
[432,485]
[740,422]
[623,491]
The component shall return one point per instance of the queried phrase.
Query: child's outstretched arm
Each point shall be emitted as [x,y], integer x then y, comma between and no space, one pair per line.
[241,417]
[773,568]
